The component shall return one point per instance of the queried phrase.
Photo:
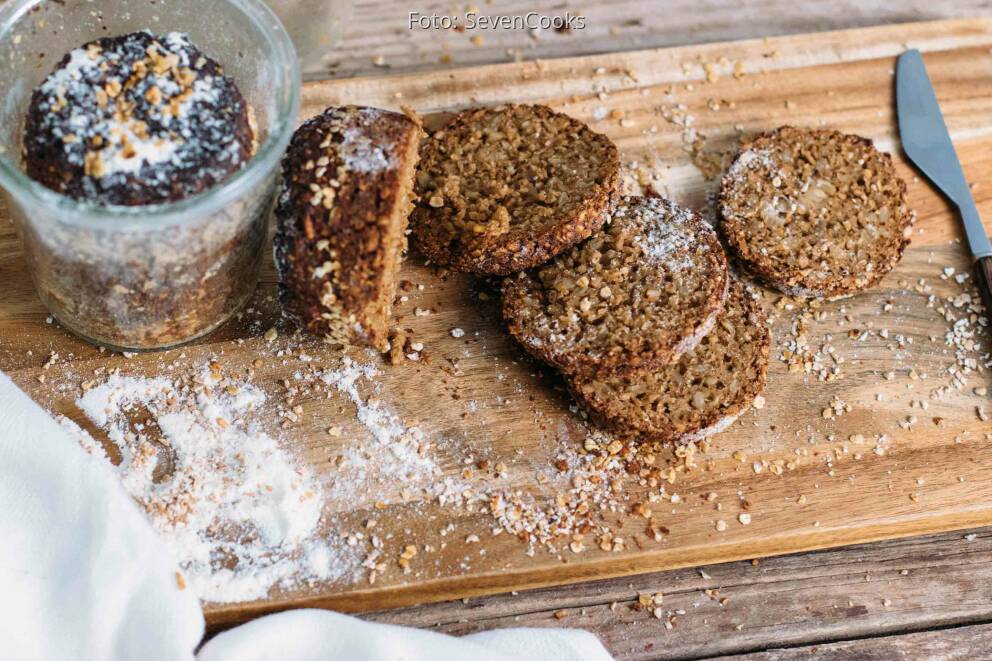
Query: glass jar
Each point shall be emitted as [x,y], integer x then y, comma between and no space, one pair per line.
[314,25]
[153,276]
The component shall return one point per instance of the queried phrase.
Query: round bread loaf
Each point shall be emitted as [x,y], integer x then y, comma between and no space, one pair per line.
[699,395]
[635,296]
[508,188]
[136,119]
[815,212]
[341,221]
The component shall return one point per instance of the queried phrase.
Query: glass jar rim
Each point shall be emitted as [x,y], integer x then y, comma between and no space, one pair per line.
[80,212]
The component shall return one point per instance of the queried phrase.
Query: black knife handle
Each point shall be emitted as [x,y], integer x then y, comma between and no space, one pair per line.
[983,279]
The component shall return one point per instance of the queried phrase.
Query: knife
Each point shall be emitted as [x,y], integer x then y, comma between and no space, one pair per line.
[928,144]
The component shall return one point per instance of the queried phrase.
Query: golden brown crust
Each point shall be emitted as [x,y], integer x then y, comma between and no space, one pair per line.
[508,188]
[633,297]
[699,395]
[815,212]
[348,180]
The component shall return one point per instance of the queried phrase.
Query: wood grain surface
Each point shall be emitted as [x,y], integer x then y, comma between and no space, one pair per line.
[967,642]
[377,38]
[797,606]
[807,481]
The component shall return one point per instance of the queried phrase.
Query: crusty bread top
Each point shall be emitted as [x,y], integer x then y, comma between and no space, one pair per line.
[136,119]
[635,296]
[815,212]
[507,188]
[347,177]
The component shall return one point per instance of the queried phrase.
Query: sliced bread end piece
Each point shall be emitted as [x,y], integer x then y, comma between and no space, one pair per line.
[348,181]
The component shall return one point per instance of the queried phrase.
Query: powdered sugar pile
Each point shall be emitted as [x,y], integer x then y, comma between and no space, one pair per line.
[238,513]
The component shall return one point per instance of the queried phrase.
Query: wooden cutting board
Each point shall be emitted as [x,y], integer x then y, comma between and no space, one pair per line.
[809,481]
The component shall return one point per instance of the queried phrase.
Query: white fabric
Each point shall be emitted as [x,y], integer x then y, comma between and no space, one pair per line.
[84,576]
[311,635]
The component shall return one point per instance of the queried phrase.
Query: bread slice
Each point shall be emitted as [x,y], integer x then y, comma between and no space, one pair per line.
[699,395]
[635,296]
[815,212]
[508,188]
[342,216]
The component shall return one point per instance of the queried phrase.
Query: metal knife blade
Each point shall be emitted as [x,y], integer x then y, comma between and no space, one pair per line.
[928,144]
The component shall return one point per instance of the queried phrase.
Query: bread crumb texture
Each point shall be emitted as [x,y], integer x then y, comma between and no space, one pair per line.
[507,188]
[699,395]
[815,212]
[635,296]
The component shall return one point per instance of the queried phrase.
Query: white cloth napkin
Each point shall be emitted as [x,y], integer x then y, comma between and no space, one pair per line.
[84,576]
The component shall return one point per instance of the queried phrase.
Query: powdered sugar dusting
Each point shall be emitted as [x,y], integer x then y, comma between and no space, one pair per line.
[238,513]
[398,455]
[750,159]
[667,236]
[360,154]
[357,150]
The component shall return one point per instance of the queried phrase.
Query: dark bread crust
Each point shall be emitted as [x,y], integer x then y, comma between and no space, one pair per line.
[701,394]
[815,212]
[163,95]
[342,217]
[516,185]
[634,297]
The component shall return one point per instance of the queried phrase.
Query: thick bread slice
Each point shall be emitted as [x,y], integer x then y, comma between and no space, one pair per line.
[508,188]
[815,212]
[635,296]
[701,394]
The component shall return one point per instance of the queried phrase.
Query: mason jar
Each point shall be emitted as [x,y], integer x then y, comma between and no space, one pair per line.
[151,276]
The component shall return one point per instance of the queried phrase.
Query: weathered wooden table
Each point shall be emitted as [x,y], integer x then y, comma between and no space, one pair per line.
[914,598]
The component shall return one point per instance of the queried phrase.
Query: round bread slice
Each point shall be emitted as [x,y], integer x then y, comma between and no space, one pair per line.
[635,296]
[815,212]
[508,188]
[341,221]
[699,395]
